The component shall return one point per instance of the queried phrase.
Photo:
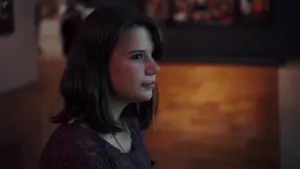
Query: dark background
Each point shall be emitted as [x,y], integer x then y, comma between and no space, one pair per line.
[273,44]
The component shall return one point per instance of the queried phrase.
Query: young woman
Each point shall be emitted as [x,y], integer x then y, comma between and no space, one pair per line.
[110,94]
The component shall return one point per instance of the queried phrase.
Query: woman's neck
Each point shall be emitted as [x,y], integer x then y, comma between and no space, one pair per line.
[116,107]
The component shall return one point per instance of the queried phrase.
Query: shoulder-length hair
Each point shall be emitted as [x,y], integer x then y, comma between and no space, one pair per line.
[85,84]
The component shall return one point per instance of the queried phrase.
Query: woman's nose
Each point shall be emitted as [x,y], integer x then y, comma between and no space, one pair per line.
[152,68]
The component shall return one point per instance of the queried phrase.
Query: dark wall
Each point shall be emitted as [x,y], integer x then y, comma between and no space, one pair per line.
[117,2]
[290,26]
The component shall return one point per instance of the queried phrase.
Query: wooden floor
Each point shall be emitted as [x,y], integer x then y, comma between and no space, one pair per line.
[210,116]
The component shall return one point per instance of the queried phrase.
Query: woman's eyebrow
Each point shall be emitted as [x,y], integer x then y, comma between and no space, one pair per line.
[137,51]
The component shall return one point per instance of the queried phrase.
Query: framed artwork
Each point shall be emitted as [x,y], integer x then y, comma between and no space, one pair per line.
[210,12]
[7,25]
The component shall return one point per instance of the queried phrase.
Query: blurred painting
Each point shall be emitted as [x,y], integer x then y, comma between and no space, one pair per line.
[254,12]
[210,12]
[158,9]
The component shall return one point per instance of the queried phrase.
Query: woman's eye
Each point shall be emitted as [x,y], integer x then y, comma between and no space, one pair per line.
[137,57]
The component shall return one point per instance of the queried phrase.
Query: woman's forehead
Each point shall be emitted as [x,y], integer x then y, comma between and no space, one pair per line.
[136,38]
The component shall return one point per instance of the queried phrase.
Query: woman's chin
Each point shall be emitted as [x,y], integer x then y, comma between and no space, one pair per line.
[145,96]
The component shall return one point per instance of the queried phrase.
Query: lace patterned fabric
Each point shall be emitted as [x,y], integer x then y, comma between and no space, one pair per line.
[74,147]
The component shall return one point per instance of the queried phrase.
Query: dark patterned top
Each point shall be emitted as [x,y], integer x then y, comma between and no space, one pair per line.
[73,147]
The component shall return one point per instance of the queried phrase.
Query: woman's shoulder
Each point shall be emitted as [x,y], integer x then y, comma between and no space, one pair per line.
[69,145]
[63,141]
[64,134]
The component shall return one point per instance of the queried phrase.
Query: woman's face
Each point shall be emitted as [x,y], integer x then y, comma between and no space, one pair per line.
[132,68]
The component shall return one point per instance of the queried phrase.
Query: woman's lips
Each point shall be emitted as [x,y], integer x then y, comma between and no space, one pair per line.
[149,85]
